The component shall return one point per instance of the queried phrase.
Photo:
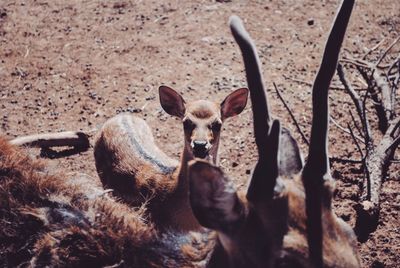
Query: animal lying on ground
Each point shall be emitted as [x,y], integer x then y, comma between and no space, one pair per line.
[129,162]
[52,219]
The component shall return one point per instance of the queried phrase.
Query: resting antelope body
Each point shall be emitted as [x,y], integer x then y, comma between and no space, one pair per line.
[282,221]
[129,162]
[50,218]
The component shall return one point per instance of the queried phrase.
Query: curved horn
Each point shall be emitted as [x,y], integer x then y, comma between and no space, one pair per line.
[317,165]
[254,81]
[318,152]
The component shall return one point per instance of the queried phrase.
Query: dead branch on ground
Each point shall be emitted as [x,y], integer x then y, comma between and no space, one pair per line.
[79,142]
[381,82]
[377,155]
[303,136]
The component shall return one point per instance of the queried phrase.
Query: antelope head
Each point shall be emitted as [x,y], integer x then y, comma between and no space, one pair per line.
[202,119]
[282,221]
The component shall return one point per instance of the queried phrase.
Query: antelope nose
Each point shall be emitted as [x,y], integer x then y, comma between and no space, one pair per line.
[199,144]
[200,148]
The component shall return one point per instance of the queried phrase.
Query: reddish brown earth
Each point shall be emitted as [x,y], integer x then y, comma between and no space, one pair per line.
[70,65]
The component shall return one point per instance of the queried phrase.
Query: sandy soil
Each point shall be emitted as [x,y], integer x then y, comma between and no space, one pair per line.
[70,65]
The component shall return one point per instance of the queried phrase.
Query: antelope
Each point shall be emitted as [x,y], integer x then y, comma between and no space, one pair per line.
[282,221]
[129,162]
[52,219]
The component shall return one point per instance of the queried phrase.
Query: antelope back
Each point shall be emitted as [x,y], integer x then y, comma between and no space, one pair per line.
[129,162]
[282,221]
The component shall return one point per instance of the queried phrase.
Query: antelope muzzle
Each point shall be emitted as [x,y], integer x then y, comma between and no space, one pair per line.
[200,148]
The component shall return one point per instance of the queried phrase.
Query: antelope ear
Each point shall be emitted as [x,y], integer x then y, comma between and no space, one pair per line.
[213,198]
[172,102]
[234,103]
[290,158]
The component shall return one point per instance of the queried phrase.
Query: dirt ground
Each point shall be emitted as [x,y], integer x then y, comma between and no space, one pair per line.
[70,65]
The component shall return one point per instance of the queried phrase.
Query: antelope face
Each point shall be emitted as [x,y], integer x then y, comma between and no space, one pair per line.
[202,119]
[202,125]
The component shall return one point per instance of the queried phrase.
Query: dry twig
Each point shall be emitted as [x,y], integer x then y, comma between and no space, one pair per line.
[303,136]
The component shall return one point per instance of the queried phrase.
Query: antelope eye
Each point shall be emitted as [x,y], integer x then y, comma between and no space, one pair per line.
[188,125]
[216,126]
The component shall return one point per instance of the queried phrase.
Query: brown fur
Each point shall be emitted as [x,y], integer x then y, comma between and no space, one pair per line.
[129,162]
[122,168]
[203,109]
[48,219]
[267,234]
[339,242]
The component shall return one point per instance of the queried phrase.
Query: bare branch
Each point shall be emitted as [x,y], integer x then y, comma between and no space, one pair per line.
[373,48]
[355,140]
[299,81]
[303,136]
[377,101]
[67,138]
[353,94]
[393,65]
[386,101]
[357,126]
[345,130]
[387,50]
[360,107]
[381,88]
[357,62]
[396,127]
[394,144]
[344,160]
[393,76]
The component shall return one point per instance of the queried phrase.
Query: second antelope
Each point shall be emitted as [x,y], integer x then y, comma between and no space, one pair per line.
[282,221]
[129,162]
